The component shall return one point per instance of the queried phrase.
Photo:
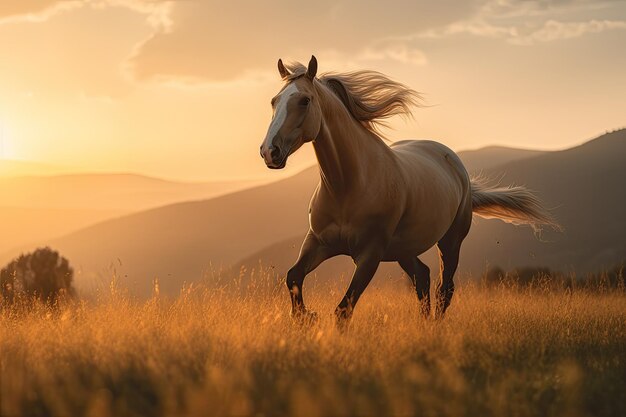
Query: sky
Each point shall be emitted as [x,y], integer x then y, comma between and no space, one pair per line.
[182,89]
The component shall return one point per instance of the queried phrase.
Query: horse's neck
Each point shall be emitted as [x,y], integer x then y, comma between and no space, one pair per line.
[347,153]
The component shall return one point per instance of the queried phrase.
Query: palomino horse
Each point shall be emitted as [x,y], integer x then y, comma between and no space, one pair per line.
[376,202]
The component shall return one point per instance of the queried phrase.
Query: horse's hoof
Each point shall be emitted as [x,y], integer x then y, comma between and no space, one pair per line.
[343,324]
[305,317]
[343,318]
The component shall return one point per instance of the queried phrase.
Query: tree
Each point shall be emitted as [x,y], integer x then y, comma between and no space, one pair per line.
[43,274]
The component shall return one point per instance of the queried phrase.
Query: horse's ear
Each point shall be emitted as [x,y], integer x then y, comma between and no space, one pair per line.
[284,73]
[311,70]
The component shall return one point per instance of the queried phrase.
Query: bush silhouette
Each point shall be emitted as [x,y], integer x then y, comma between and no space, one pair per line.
[43,275]
[522,276]
[612,279]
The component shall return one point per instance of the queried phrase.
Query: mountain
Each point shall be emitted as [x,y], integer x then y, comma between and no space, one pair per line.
[36,208]
[178,242]
[586,187]
[15,167]
[19,226]
[490,157]
[181,242]
[126,192]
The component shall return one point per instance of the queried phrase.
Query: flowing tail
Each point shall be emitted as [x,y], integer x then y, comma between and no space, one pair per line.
[513,204]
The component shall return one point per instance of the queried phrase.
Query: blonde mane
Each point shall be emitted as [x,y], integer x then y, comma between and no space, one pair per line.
[369,96]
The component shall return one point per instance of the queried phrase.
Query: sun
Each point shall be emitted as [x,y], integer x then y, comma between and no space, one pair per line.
[1,140]
[5,141]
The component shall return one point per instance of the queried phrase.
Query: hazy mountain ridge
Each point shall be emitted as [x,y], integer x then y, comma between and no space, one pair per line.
[178,242]
[111,191]
[586,187]
[486,158]
[16,167]
[37,208]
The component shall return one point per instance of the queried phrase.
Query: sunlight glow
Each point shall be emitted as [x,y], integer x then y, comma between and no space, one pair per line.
[7,142]
[2,141]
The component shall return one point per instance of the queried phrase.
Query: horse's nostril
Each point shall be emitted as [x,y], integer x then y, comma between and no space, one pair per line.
[275,152]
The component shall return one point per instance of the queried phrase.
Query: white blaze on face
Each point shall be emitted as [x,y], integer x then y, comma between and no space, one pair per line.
[280,115]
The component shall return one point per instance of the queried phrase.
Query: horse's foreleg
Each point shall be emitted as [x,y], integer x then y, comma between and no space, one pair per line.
[419,274]
[366,266]
[311,255]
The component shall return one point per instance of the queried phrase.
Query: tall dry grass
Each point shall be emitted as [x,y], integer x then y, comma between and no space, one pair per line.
[223,352]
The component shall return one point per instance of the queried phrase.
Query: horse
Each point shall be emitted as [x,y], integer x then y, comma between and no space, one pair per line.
[377,202]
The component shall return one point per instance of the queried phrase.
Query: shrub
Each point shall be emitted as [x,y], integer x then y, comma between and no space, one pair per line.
[543,277]
[43,275]
[525,277]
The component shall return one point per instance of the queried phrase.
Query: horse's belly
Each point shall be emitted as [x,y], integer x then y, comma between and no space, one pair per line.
[423,226]
[410,244]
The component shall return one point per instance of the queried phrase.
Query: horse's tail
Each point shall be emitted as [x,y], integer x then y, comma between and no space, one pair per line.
[513,204]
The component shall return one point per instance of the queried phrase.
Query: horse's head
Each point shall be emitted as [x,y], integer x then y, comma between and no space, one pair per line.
[297,116]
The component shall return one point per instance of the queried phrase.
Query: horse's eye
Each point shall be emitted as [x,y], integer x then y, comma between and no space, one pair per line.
[304,101]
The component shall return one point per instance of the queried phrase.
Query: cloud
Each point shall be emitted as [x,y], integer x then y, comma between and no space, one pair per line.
[72,53]
[549,31]
[26,7]
[396,51]
[530,8]
[34,10]
[42,10]
[528,22]
[553,30]
[217,40]
[475,28]
[220,40]
[157,12]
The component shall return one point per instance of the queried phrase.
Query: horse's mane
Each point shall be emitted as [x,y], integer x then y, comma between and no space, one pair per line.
[369,96]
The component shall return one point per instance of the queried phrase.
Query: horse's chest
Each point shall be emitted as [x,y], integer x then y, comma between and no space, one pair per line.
[344,227]
[330,228]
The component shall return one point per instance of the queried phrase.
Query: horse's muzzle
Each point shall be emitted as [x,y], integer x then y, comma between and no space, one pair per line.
[273,156]
[279,163]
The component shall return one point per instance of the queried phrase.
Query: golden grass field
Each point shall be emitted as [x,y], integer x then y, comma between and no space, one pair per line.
[499,352]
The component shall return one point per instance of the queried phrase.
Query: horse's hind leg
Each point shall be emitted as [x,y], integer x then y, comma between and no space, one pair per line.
[449,249]
[419,274]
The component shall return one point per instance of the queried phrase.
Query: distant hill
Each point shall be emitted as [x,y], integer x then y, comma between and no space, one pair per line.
[179,242]
[586,186]
[15,167]
[36,208]
[20,226]
[489,157]
[126,192]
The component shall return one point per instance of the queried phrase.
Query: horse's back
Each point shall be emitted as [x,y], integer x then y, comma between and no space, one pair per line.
[424,157]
